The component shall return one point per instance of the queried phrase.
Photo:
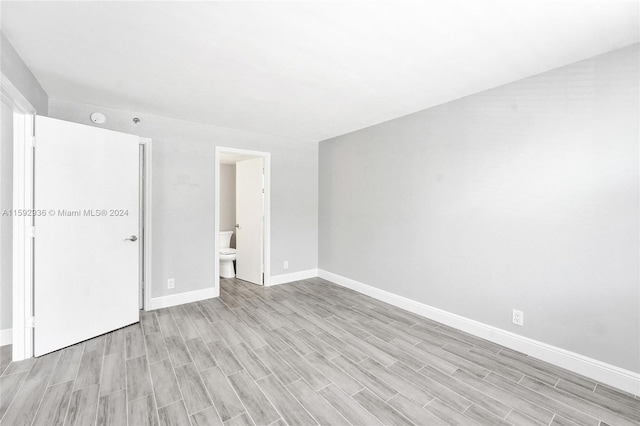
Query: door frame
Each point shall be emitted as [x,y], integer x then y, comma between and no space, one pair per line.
[23,184]
[22,273]
[145,222]
[266,256]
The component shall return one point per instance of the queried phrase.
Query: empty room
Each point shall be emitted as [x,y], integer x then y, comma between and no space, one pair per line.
[320,213]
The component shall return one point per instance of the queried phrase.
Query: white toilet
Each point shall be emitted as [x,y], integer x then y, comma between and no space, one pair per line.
[227,255]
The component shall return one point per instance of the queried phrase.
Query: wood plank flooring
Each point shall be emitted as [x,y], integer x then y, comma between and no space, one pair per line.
[303,353]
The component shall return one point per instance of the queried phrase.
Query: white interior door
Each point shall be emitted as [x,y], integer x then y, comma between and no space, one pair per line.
[86,251]
[249,220]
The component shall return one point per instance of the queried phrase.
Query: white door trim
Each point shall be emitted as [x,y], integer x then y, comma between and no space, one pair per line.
[146,221]
[22,241]
[267,211]
[23,122]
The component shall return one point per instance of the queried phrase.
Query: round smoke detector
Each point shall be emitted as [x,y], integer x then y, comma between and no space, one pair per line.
[98,118]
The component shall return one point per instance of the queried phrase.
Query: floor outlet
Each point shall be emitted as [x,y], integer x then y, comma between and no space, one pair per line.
[171,283]
[518,318]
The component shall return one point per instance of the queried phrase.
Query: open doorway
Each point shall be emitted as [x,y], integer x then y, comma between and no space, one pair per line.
[81,244]
[242,216]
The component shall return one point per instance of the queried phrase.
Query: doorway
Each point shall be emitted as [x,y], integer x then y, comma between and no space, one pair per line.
[131,244]
[242,205]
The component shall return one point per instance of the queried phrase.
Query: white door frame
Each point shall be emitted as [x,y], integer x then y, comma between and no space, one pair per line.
[266,156]
[23,124]
[23,170]
[145,223]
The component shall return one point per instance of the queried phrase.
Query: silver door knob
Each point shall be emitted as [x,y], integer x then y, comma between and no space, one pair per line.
[237,226]
[131,238]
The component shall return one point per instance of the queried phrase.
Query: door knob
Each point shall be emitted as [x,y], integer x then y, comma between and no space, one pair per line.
[131,238]
[237,226]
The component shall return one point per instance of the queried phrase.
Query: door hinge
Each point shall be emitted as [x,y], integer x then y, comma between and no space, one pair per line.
[33,141]
[31,231]
[30,322]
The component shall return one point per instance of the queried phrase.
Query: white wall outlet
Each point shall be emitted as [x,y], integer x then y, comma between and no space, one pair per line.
[286,264]
[518,318]
[171,283]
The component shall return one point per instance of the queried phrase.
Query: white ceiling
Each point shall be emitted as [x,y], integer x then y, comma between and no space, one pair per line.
[309,70]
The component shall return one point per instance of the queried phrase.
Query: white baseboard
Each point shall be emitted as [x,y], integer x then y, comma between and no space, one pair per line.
[608,374]
[6,336]
[294,276]
[181,298]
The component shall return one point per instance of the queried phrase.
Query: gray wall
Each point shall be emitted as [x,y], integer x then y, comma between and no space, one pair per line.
[524,196]
[183,193]
[15,70]
[228,199]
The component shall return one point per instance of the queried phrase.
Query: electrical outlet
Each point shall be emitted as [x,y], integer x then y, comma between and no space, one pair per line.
[171,283]
[518,318]
[286,264]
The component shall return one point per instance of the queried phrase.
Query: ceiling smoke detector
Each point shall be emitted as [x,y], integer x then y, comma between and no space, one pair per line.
[98,118]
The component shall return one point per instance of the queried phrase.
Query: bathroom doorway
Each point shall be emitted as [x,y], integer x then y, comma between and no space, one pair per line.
[242,215]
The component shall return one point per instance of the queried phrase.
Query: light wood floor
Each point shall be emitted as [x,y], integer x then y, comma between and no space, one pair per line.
[309,352]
